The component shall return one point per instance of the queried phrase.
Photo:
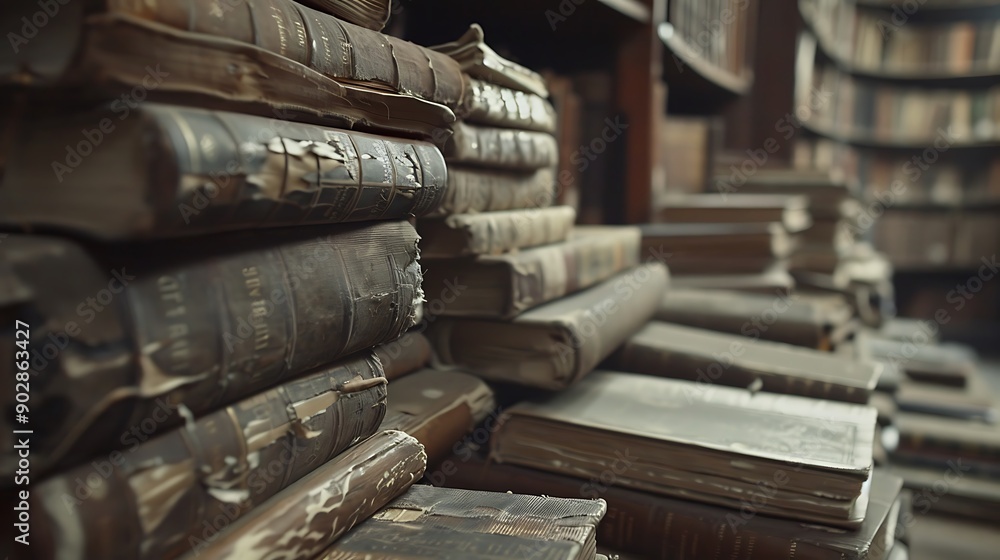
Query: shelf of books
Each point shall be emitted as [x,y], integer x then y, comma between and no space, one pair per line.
[911,112]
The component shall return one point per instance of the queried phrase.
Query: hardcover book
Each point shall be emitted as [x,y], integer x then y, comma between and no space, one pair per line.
[481,61]
[501,148]
[797,458]
[125,332]
[307,517]
[556,344]
[438,523]
[493,233]
[404,356]
[492,105]
[438,408]
[157,496]
[504,286]
[180,171]
[483,190]
[707,357]
[818,323]
[775,281]
[792,212]
[650,526]
[372,14]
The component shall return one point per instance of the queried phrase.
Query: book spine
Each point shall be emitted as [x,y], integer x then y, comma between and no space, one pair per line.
[493,233]
[302,521]
[492,105]
[372,14]
[501,148]
[209,332]
[475,190]
[408,354]
[159,498]
[320,41]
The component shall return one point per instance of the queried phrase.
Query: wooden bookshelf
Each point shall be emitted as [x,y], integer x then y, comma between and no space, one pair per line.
[715,77]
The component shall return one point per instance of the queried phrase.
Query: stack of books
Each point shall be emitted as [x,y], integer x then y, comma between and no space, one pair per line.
[208,381]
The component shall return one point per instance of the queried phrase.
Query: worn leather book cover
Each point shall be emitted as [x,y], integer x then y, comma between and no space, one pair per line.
[792,319]
[201,70]
[371,14]
[481,61]
[438,523]
[720,240]
[174,171]
[504,286]
[438,408]
[933,441]
[680,352]
[942,364]
[775,281]
[975,401]
[492,105]
[410,352]
[152,500]
[829,196]
[308,37]
[650,526]
[792,212]
[300,522]
[493,233]
[500,148]
[484,190]
[125,332]
[798,458]
[968,495]
[556,344]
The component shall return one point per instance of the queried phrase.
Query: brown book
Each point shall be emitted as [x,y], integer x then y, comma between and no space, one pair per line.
[651,526]
[829,196]
[926,362]
[967,496]
[804,459]
[934,441]
[973,402]
[123,333]
[372,14]
[438,408]
[504,286]
[707,357]
[792,212]
[792,319]
[480,61]
[435,523]
[493,233]
[484,190]
[556,344]
[303,520]
[501,148]
[492,105]
[153,499]
[120,58]
[722,240]
[311,38]
[404,356]
[774,281]
[176,171]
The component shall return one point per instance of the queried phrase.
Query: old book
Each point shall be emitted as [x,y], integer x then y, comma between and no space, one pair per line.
[429,522]
[200,322]
[829,196]
[438,408]
[941,535]
[203,70]
[153,499]
[707,357]
[556,344]
[650,526]
[179,171]
[501,148]
[921,359]
[492,105]
[480,61]
[973,402]
[966,495]
[484,190]
[793,319]
[504,286]
[740,240]
[404,356]
[493,233]
[774,281]
[792,212]
[303,520]
[372,14]
[681,443]
[935,441]
[311,38]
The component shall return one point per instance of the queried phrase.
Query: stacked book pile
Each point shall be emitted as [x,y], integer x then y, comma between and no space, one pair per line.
[207,380]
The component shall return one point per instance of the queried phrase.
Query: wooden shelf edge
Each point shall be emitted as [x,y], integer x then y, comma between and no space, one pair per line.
[936,5]
[721,78]
[923,143]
